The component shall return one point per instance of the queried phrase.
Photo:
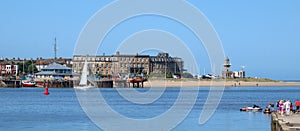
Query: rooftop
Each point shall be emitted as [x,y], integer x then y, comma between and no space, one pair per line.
[56,66]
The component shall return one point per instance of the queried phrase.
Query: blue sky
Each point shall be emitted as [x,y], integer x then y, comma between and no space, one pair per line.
[261,35]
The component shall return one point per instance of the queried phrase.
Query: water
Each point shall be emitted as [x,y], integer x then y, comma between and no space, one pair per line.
[29,109]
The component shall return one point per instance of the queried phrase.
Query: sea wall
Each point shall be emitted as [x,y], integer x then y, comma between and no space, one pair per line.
[56,84]
[2,84]
[71,84]
[285,123]
[11,83]
[105,84]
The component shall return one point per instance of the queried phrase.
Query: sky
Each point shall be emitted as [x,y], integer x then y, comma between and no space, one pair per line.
[261,35]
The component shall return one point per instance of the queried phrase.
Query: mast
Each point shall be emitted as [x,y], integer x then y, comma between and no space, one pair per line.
[23,67]
[55,49]
[32,67]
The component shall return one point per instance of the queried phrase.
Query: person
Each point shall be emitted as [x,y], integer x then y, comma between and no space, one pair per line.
[272,106]
[287,106]
[297,104]
[277,104]
[268,108]
[280,107]
[291,107]
[255,106]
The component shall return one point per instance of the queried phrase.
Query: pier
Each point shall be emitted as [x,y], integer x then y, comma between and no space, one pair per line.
[121,84]
[104,84]
[13,83]
[136,84]
[285,123]
[55,84]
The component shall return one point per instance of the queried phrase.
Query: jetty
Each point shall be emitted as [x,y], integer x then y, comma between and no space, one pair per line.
[286,122]
[103,83]
[11,83]
[136,82]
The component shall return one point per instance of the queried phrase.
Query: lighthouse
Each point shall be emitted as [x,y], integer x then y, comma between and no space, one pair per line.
[227,73]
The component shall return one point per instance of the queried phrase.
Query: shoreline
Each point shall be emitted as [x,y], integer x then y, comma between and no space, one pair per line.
[156,83]
[204,83]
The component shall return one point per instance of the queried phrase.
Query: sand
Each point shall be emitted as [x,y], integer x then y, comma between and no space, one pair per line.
[198,83]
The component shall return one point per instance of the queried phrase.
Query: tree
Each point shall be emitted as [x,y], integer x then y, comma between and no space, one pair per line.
[169,75]
[25,65]
[20,66]
[32,68]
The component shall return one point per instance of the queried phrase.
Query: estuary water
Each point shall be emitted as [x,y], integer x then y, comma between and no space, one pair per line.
[30,110]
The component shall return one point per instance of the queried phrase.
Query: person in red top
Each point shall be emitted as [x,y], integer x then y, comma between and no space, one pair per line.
[297,104]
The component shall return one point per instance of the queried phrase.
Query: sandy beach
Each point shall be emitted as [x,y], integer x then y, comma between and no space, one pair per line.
[207,83]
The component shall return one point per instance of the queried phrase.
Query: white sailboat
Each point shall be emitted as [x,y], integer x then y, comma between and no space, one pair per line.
[83,84]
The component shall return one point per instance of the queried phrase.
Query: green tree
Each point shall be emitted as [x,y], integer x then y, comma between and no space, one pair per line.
[32,68]
[169,75]
[20,66]
[29,66]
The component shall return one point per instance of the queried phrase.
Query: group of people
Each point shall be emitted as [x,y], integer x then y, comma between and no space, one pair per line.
[284,106]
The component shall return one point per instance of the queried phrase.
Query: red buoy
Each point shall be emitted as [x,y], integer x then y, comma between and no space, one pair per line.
[46,92]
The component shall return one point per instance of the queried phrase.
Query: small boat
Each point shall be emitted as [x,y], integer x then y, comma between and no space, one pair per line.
[84,78]
[255,108]
[28,83]
[267,111]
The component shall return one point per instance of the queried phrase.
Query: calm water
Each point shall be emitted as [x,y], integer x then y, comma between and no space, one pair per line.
[28,109]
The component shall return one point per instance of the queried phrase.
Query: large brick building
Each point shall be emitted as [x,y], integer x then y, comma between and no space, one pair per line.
[125,64]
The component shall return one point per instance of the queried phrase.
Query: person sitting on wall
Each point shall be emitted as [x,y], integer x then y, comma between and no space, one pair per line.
[297,104]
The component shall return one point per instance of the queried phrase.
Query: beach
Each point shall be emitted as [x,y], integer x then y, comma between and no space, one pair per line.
[215,83]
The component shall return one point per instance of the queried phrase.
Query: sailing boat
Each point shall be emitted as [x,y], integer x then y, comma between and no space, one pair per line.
[84,77]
